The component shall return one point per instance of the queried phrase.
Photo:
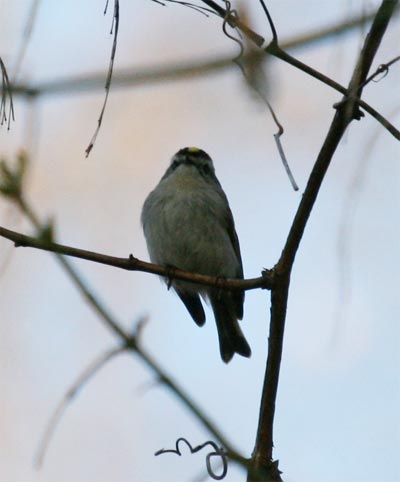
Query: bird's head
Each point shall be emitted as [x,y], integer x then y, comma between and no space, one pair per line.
[192,157]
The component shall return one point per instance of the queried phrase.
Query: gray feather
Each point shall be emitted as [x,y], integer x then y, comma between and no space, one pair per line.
[231,339]
[193,305]
[188,224]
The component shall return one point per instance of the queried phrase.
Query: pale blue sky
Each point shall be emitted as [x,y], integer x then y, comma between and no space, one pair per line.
[337,409]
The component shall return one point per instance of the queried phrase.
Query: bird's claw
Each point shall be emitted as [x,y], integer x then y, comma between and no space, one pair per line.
[169,275]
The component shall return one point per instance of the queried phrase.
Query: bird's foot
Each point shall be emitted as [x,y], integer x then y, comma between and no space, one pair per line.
[170,274]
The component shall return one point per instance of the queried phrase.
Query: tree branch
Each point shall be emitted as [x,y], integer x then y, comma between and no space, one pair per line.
[339,124]
[139,76]
[262,455]
[161,74]
[134,264]
[278,279]
[275,50]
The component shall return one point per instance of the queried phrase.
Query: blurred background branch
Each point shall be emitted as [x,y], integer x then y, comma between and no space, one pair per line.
[148,75]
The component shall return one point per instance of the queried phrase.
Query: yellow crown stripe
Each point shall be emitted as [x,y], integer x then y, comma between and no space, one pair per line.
[193,149]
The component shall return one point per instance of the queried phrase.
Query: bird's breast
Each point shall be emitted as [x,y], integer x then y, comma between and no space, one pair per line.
[186,227]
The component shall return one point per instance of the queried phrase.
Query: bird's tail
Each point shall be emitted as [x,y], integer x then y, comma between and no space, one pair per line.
[231,338]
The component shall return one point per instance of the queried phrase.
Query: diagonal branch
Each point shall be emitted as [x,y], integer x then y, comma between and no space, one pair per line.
[275,50]
[262,455]
[339,124]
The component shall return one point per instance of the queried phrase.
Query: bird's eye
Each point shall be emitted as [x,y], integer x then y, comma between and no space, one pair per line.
[175,164]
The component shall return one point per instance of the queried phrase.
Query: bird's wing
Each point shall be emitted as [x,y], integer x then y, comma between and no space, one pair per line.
[234,240]
[230,226]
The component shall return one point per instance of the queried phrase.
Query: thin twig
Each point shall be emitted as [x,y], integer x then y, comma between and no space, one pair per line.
[277,135]
[285,163]
[382,69]
[131,77]
[6,97]
[279,53]
[157,74]
[114,27]
[276,51]
[205,11]
[231,13]
[271,22]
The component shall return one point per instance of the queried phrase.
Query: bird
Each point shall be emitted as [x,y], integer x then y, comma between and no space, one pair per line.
[188,224]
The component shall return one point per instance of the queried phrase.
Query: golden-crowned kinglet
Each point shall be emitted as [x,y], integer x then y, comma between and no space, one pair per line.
[188,224]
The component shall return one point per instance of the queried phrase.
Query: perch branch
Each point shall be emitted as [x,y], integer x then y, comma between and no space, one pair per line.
[134,264]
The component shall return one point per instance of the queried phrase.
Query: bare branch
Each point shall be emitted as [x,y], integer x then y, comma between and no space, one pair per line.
[134,264]
[134,77]
[205,11]
[271,22]
[230,13]
[274,49]
[383,70]
[262,455]
[131,77]
[6,97]
[285,163]
[114,27]
[278,279]
[277,135]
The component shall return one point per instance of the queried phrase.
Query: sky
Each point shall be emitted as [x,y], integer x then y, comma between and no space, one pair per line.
[337,408]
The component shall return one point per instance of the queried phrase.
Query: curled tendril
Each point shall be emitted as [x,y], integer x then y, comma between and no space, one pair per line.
[382,69]
[217,452]
[227,21]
